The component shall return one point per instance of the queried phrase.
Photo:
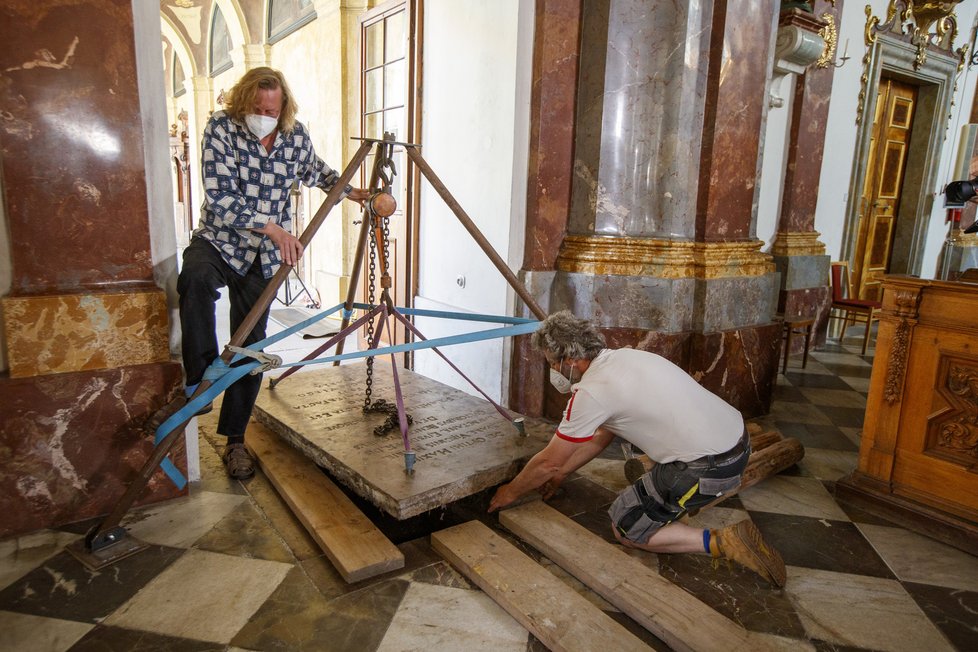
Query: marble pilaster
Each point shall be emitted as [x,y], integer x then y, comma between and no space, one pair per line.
[86,327]
[551,162]
[798,255]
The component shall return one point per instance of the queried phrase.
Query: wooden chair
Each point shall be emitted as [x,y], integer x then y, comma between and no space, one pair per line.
[846,308]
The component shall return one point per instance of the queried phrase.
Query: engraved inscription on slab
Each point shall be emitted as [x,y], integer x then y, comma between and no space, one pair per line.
[463,445]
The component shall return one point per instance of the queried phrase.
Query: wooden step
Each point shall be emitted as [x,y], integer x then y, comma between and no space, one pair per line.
[353,544]
[556,614]
[681,620]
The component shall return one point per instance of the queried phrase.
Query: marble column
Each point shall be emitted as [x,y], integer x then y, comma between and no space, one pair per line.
[250,55]
[798,255]
[660,248]
[86,327]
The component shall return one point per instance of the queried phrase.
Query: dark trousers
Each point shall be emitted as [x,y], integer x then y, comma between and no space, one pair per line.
[204,273]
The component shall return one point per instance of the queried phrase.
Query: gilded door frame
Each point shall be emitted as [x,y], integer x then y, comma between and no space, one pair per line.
[935,80]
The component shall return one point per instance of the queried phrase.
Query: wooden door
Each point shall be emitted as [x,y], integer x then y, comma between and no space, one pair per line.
[889,146]
[388,105]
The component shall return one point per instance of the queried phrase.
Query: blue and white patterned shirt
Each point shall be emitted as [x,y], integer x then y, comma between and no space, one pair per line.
[246,187]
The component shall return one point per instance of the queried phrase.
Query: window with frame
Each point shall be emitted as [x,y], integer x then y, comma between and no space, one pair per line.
[286,16]
[384,82]
[221,45]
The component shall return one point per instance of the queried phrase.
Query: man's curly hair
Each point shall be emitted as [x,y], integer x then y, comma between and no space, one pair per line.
[240,100]
[562,335]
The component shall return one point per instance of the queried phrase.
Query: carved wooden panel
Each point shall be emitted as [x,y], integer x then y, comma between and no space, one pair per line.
[952,431]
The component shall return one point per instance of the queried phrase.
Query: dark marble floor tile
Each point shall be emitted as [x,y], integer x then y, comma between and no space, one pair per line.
[851,370]
[953,611]
[417,554]
[117,639]
[737,593]
[298,617]
[831,346]
[282,519]
[63,588]
[821,544]
[844,416]
[826,381]
[244,533]
[860,515]
[817,435]
[788,393]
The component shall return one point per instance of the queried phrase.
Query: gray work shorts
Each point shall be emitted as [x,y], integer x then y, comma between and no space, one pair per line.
[670,490]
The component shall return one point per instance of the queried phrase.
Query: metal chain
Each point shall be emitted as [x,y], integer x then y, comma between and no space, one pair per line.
[371,298]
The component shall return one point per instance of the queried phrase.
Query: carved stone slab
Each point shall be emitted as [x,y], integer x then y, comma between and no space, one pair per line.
[462,444]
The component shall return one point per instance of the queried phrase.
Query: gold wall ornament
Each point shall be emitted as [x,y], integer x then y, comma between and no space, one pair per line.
[662,258]
[792,243]
[830,35]
[185,4]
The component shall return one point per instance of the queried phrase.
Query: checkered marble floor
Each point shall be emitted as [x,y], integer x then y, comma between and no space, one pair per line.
[230,568]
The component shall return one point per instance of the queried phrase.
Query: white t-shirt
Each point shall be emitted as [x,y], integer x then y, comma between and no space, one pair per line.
[651,403]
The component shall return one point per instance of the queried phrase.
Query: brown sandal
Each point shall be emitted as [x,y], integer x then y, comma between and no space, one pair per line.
[237,460]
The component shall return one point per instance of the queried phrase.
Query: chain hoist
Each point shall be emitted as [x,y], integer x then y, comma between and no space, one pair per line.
[379,208]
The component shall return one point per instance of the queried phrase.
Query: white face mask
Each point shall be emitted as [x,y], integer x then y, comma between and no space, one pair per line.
[261,125]
[561,383]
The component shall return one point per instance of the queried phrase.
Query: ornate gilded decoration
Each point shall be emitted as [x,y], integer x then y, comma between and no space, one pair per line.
[911,21]
[662,258]
[185,4]
[957,425]
[906,302]
[787,243]
[830,35]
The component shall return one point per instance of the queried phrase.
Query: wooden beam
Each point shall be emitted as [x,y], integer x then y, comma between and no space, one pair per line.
[681,620]
[352,543]
[556,614]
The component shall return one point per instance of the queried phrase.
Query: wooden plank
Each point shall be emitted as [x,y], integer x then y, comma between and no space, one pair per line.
[666,610]
[352,543]
[556,614]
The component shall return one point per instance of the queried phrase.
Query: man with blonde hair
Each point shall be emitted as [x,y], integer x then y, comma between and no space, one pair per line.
[252,154]
[698,441]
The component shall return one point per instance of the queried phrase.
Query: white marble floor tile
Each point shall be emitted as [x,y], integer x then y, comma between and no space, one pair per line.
[861,611]
[829,357]
[179,523]
[833,397]
[915,558]
[23,554]
[203,595]
[432,618]
[38,634]
[610,474]
[792,495]
[828,464]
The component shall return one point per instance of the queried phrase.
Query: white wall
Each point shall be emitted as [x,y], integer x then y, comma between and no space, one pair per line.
[774,159]
[841,133]
[477,60]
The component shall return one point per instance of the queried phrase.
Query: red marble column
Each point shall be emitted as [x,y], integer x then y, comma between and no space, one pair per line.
[550,170]
[736,90]
[87,330]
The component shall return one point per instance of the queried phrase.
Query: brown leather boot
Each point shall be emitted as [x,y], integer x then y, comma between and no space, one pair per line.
[744,544]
